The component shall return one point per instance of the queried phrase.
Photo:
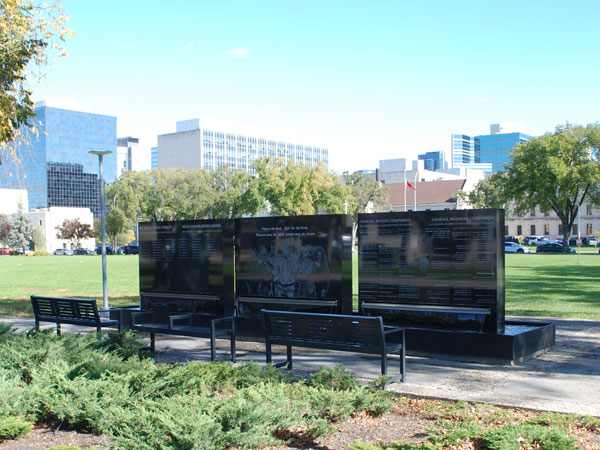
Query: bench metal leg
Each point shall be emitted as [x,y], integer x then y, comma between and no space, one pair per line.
[289,357]
[383,363]
[213,348]
[58,328]
[232,347]
[268,351]
[152,342]
[403,359]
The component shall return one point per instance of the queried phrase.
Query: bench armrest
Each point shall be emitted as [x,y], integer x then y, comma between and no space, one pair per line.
[394,330]
[186,318]
[223,319]
[142,317]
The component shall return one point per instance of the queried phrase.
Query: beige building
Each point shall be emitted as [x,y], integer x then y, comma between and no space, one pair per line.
[47,219]
[536,223]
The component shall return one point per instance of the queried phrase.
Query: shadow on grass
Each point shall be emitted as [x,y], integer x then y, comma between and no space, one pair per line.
[22,307]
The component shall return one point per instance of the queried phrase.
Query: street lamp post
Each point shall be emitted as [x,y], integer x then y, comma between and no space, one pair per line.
[101,154]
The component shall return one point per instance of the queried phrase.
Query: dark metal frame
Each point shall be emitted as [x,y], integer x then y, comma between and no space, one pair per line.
[356,334]
[73,311]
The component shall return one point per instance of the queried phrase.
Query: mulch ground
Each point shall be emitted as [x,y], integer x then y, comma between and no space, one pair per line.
[401,424]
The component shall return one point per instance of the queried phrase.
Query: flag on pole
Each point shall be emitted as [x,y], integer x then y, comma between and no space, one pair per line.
[410,185]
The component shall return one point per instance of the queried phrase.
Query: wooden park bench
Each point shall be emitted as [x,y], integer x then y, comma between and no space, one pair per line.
[356,334]
[73,311]
[192,325]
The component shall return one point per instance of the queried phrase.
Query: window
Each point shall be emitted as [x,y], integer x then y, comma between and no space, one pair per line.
[589,209]
[546,229]
[519,230]
[533,215]
[533,230]
[575,229]
[588,229]
[560,229]
[505,230]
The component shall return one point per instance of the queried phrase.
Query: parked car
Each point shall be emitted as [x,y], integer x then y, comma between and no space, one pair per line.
[544,241]
[531,240]
[84,251]
[131,249]
[512,247]
[584,241]
[511,239]
[554,248]
[63,251]
[109,250]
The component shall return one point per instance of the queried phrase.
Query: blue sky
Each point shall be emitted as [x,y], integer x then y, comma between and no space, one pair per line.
[367,80]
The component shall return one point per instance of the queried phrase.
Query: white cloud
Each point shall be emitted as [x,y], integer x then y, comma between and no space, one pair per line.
[241,52]
[189,46]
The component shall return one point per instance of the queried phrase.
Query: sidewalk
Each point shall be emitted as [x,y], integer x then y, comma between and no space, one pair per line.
[567,379]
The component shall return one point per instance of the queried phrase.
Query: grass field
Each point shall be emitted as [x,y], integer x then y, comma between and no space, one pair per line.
[536,285]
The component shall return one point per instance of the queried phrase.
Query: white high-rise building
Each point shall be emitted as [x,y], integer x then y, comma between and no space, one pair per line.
[193,147]
[130,156]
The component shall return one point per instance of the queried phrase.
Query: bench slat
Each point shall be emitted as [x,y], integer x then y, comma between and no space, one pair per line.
[358,334]
[74,311]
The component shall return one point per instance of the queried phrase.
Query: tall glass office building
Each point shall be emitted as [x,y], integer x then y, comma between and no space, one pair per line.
[434,160]
[491,149]
[55,166]
[192,147]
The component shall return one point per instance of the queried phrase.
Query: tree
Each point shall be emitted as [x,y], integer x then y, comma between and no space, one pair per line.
[20,230]
[74,231]
[30,36]
[288,188]
[39,240]
[489,192]
[555,172]
[4,228]
[367,193]
[227,191]
[115,224]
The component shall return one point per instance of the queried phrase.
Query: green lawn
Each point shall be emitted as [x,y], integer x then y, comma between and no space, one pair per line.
[536,285]
[66,276]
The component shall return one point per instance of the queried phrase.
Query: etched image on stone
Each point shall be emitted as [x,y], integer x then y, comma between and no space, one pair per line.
[288,268]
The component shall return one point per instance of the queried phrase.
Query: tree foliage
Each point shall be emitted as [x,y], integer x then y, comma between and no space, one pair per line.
[39,240]
[287,188]
[177,194]
[31,34]
[74,231]
[20,233]
[367,194]
[4,228]
[115,225]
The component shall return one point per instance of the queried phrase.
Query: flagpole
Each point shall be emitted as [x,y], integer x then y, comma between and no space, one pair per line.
[405,189]
[415,188]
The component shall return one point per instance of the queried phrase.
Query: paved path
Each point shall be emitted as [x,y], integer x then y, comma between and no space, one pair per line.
[567,379]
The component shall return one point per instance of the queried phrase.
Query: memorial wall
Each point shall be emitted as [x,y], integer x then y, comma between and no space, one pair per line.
[187,266]
[296,262]
[439,258]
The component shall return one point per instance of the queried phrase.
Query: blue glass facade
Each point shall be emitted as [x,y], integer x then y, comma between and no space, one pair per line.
[496,148]
[434,160]
[487,148]
[55,166]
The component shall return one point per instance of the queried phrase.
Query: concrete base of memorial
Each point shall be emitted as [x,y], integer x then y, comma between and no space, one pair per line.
[521,341]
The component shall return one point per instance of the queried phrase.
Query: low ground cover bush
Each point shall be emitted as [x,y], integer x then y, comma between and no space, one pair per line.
[462,425]
[100,385]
